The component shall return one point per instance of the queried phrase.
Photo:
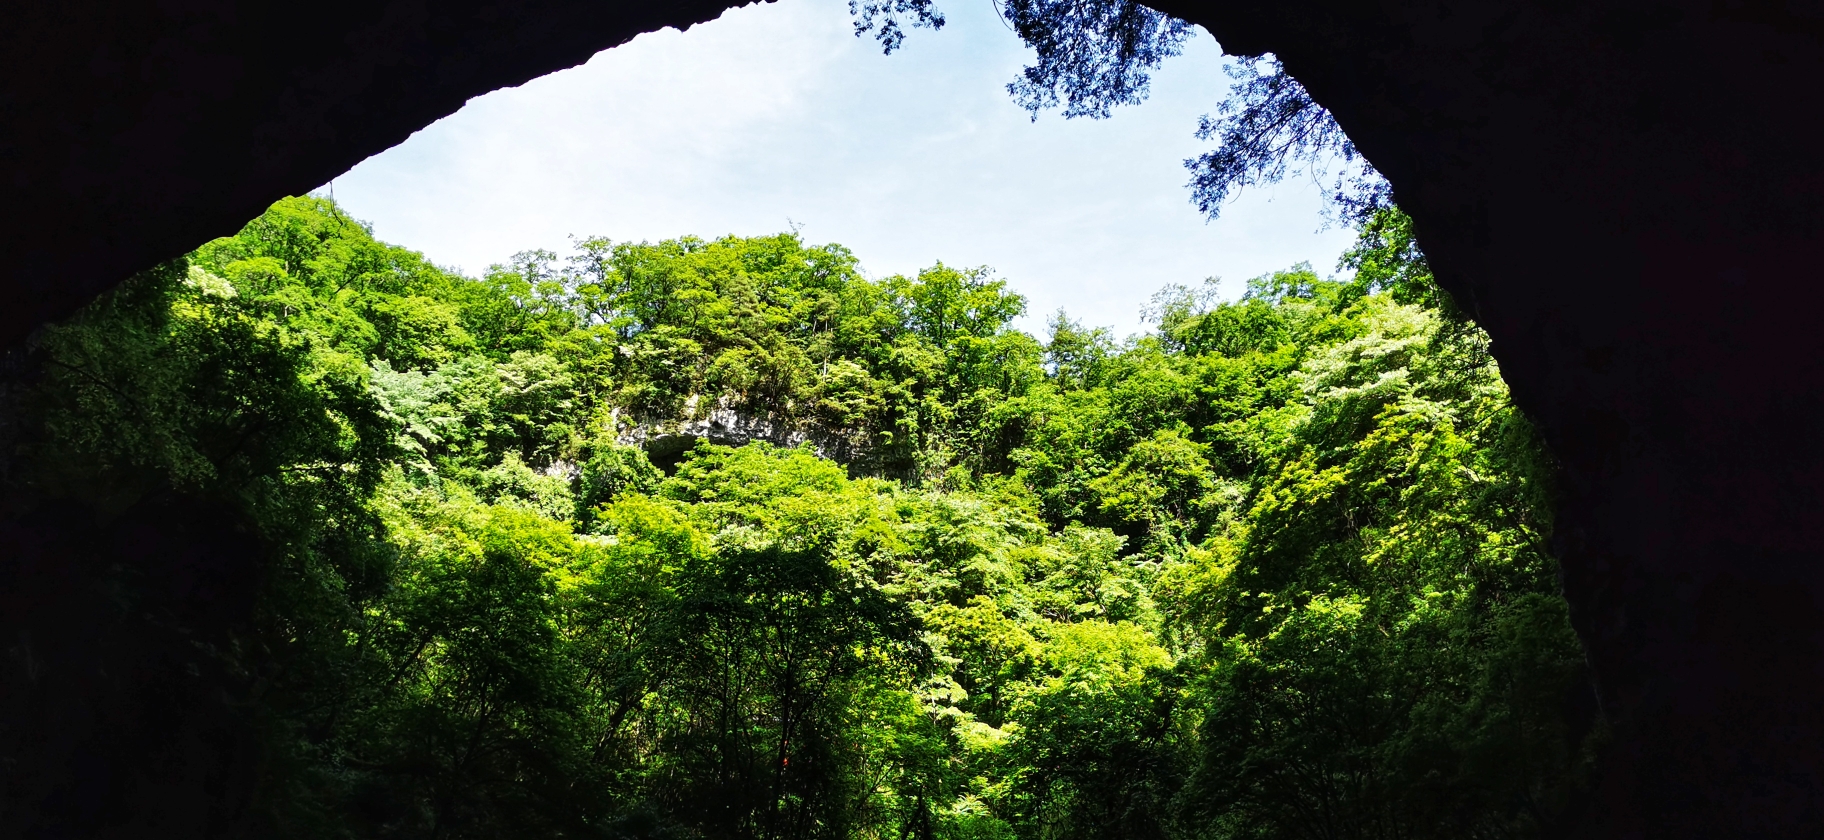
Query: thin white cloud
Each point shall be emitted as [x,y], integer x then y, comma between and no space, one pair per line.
[777,112]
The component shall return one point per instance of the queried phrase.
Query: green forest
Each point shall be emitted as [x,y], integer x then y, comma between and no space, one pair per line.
[727,539]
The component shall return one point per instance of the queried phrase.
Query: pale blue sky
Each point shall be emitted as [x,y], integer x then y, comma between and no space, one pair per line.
[777,112]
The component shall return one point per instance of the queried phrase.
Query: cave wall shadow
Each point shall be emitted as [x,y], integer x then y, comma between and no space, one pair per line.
[1626,195]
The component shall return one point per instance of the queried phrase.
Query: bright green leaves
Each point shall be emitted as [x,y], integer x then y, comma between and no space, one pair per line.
[418,332]
[992,653]
[751,478]
[1275,570]
[1164,480]
[1393,525]
[770,644]
[305,265]
[1386,258]
[1082,574]
[169,382]
[657,663]
[473,682]
[610,472]
[1096,751]
[947,305]
[1075,357]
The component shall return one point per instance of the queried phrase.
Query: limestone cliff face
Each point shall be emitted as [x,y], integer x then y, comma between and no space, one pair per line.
[1626,194]
[727,423]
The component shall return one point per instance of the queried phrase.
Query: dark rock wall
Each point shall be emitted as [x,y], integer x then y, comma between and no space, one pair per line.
[122,706]
[1628,195]
[131,132]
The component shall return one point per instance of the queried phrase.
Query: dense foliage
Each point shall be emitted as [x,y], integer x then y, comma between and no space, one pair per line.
[1276,569]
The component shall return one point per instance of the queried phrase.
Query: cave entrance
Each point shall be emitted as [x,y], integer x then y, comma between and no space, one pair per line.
[667,451]
[1640,330]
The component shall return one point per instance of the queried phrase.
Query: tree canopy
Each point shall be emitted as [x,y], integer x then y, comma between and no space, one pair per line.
[1276,568]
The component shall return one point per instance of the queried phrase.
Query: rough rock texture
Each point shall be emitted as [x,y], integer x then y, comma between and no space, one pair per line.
[726,424]
[1627,195]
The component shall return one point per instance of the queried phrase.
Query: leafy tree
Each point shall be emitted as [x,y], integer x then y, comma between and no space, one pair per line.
[1268,128]
[1276,568]
[1097,752]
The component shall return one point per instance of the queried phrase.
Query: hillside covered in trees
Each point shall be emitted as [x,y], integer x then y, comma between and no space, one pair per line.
[1277,569]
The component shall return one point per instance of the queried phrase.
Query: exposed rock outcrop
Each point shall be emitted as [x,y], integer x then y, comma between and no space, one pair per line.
[667,439]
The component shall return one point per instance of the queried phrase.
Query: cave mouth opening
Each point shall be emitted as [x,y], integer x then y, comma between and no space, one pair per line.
[1643,377]
[908,517]
[668,451]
